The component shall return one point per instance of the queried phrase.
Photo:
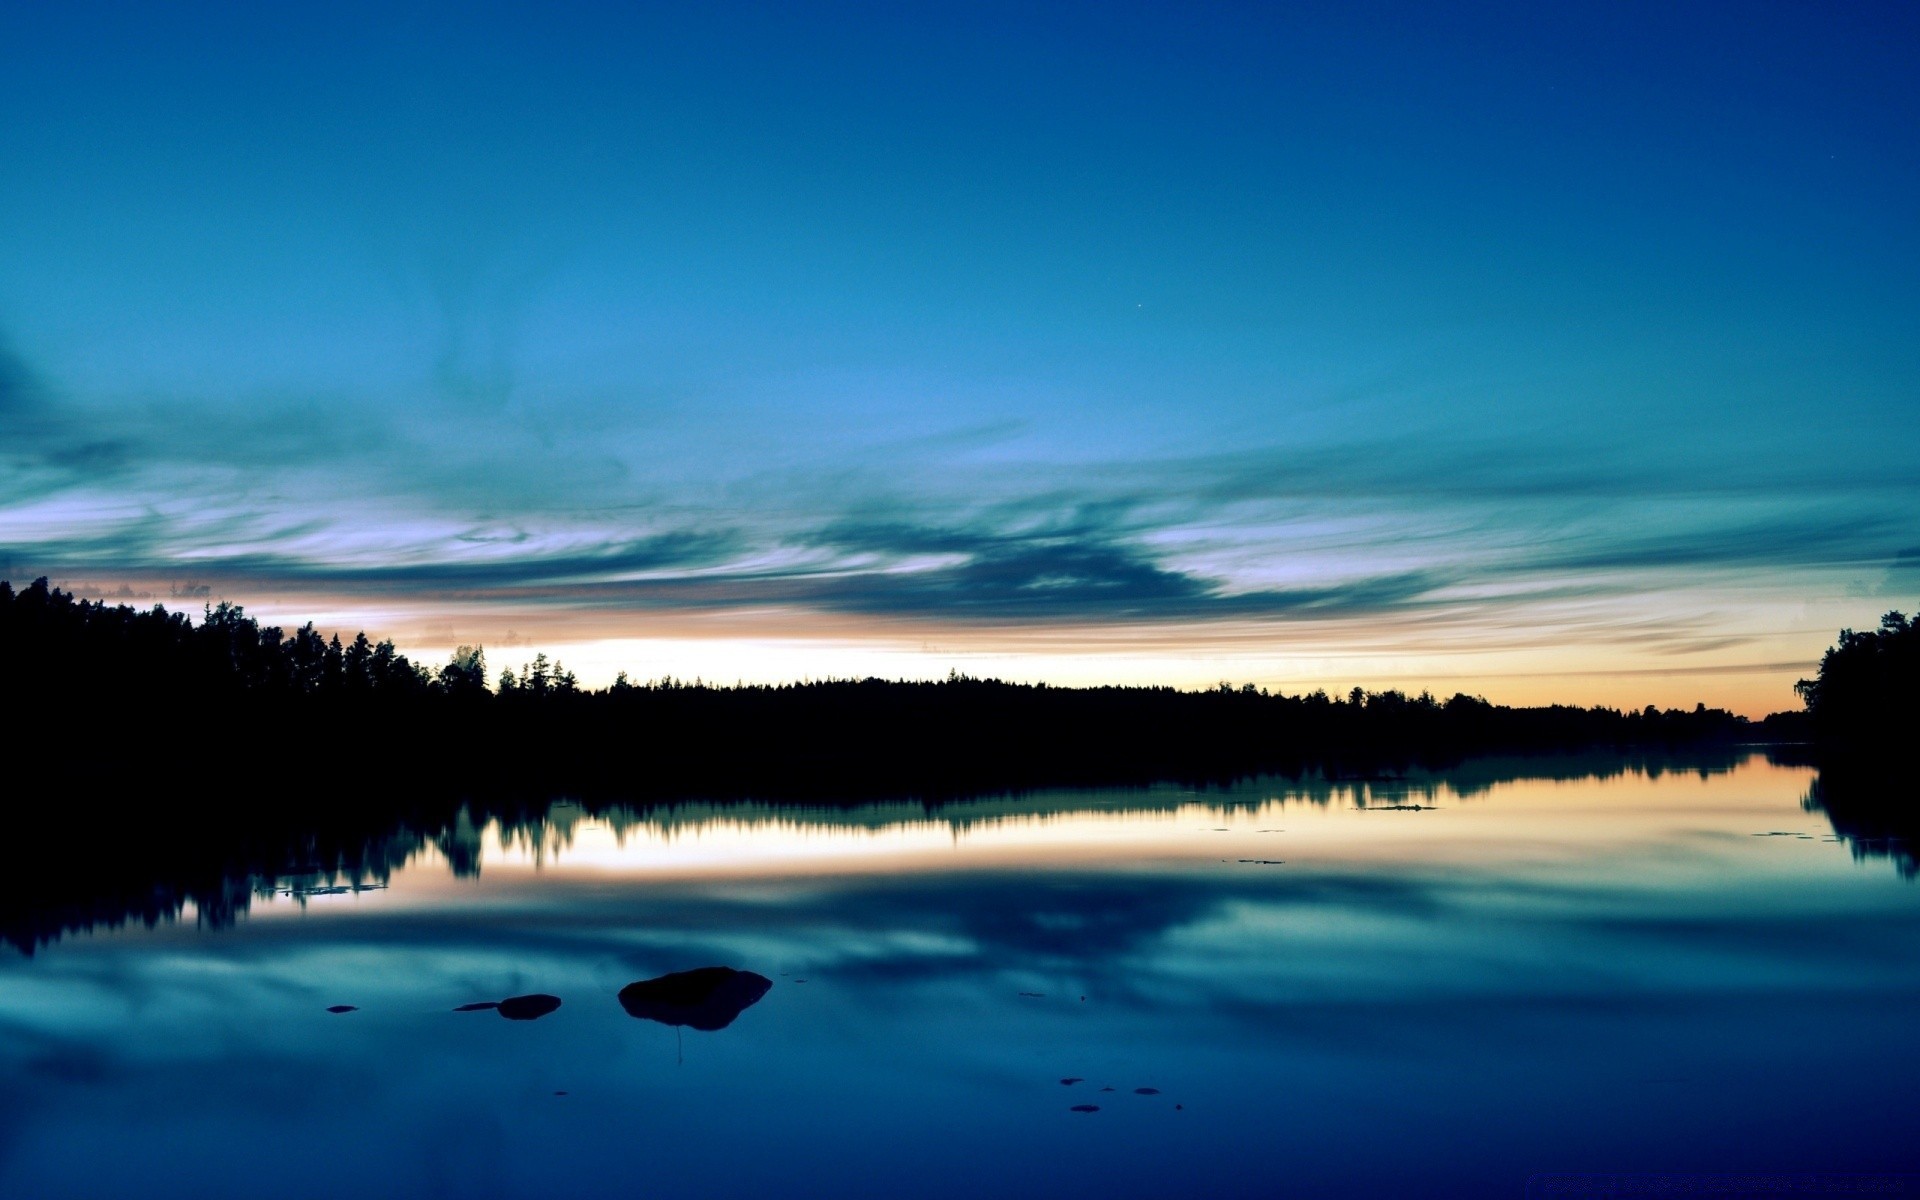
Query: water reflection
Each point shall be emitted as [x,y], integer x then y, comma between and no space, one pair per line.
[214,863]
[1450,982]
[1874,807]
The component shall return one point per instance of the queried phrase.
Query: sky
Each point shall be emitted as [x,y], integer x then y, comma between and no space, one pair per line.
[1542,352]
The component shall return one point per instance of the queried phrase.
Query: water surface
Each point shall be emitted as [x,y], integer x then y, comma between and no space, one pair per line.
[1436,987]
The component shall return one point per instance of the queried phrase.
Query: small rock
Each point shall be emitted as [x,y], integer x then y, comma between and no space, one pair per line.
[528,1008]
[1146,1091]
[340,1008]
[1085,1108]
[1070,1080]
[706,998]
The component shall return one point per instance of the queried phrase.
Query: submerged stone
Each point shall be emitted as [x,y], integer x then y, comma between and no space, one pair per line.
[340,1008]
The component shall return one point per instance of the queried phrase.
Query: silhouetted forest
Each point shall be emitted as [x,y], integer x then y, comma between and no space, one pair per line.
[164,700]
[1863,709]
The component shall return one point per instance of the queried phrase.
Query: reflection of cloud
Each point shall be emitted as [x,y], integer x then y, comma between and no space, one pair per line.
[69,1061]
[221,880]
[1231,943]
[897,929]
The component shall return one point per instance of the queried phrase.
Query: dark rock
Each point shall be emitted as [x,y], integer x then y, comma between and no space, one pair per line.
[481,1006]
[1085,1108]
[528,1008]
[1146,1091]
[1070,1080]
[707,998]
[340,1008]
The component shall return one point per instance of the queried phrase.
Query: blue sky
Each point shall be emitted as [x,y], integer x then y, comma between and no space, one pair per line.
[1537,351]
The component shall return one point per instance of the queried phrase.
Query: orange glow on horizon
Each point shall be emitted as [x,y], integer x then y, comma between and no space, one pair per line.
[1733,652]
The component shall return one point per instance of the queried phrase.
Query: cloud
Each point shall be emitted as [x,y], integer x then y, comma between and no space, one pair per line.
[54,446]
[19,390]
[508,505]
[1471,465]
[1799,540]
[1077,569]
[1903,576]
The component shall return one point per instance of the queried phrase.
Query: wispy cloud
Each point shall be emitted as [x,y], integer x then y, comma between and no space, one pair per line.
[474,505]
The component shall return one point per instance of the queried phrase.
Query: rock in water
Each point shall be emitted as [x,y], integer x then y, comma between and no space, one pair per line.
[340,1008]
[479,1007]
[707,998]
[528,1008]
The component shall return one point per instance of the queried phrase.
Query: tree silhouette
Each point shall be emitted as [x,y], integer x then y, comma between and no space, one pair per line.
[465,673]
[1866,696]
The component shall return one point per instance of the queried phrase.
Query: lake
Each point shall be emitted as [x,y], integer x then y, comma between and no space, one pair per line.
[1435,985]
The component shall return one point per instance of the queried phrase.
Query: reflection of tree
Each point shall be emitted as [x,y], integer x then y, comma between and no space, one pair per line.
[1873,807]
[460,843]
[103,863]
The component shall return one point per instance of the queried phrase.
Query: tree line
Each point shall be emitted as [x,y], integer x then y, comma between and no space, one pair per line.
[228,694]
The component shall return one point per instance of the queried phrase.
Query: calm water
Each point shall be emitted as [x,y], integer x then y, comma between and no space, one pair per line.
[1434,988]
